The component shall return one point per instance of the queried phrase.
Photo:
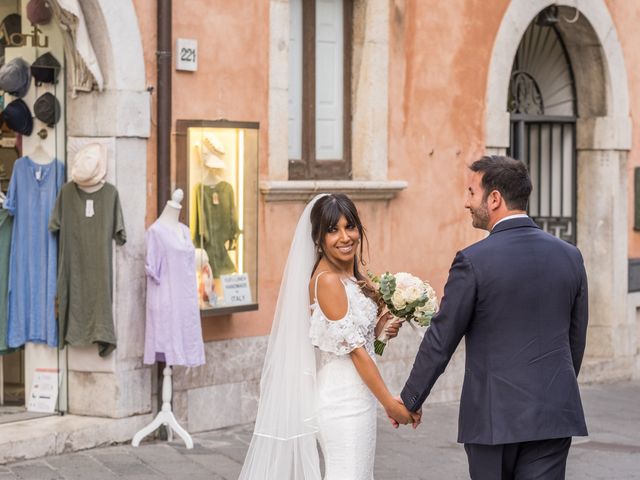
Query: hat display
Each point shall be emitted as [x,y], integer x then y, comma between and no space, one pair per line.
[39,12]
[18,117]
[90,165]
[213,144]
[47,109]
[15,77]
[211,160]
[45,69]
[10,25]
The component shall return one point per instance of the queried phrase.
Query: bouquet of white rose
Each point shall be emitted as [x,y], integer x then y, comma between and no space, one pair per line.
[407,298]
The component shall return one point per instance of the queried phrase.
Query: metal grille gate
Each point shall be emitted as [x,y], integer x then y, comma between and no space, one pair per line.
[547,145]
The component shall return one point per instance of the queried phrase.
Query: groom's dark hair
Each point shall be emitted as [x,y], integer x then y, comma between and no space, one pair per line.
[508,176]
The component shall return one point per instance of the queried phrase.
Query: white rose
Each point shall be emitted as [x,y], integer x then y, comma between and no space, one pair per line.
[405,280]
[398,299]
[413,293]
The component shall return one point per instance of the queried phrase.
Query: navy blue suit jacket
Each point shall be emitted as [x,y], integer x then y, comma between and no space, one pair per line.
[519,297]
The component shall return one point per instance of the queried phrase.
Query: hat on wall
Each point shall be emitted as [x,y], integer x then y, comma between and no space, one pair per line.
[39,12]
[45,69]
[47,109]
[18,117]
[90,166]
[11,24]
[15,77]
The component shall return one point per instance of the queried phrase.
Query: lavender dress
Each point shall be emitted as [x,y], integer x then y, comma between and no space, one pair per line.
[173,332]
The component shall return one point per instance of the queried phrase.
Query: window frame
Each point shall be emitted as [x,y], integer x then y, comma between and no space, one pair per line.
[308,168]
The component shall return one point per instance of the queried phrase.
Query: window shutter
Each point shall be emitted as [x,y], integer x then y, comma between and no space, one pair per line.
[295,80]
[329,79]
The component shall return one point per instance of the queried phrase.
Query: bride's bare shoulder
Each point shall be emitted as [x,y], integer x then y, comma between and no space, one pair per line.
[331,297]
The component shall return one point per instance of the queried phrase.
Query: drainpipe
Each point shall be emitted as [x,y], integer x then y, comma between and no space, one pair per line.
[163,56]
[163,133]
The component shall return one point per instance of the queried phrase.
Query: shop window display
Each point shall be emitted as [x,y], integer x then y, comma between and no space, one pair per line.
[217,165]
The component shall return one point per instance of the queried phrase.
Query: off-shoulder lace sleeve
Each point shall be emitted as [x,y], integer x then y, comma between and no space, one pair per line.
[336,336]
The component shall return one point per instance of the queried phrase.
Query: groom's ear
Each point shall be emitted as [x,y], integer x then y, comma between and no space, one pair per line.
[494,200]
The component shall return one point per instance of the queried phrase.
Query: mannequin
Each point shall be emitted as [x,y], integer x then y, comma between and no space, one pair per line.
[173,315]
[213,176]
[171,212]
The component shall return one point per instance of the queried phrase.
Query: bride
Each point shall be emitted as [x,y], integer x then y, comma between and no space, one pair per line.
[320,381]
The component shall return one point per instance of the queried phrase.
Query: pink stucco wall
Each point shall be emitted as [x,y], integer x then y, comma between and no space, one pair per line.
[439,57]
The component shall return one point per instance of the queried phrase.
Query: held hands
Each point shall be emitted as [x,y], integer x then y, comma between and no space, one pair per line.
[398,414]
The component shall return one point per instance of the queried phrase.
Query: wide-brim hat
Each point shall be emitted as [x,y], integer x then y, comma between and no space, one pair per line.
[39,12]
[213,144]
[18,117]
[45,69]
[47,109]
[15,77]
[90,165]
[211,160]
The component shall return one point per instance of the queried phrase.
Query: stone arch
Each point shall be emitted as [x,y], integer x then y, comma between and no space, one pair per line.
[592,41]
[603,138]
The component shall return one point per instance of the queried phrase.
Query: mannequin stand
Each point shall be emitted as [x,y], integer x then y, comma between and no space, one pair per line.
[165,416]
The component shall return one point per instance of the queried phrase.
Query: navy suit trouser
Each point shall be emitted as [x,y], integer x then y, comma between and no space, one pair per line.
[538,460]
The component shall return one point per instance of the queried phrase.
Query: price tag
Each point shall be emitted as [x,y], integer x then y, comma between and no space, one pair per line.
[88,209]
[187,54]
[236,289]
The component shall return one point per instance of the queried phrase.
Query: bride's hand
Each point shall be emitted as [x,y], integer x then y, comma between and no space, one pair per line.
[399,415]
[392,329]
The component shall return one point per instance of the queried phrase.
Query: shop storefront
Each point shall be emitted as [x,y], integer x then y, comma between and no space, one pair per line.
[73,95]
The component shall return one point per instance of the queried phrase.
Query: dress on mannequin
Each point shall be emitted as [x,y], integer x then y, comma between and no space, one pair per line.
[216,222]
[173,333]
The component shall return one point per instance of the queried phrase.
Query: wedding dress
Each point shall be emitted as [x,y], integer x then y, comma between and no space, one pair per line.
[346,408]
[304,400]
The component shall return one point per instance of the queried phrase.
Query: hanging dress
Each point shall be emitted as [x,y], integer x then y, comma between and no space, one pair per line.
[34,252]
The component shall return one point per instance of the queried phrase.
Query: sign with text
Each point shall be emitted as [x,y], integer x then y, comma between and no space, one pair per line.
[236,289]
[44,391]
[187,54]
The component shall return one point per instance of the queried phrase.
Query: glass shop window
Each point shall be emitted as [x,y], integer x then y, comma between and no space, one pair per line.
[217,167]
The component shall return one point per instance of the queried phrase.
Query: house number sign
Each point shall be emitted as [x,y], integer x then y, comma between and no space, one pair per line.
[187,54]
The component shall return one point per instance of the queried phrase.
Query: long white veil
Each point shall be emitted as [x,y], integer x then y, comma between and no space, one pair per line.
[283,446]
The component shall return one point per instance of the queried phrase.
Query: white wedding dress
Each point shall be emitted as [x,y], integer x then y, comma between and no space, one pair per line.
[346,408]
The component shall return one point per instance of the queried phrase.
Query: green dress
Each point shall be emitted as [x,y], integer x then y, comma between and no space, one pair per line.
[216,225]
[6,222]
[87,224]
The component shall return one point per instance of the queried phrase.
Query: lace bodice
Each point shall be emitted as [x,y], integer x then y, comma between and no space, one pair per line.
[356,329]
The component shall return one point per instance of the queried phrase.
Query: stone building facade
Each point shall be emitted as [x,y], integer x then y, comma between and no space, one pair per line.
[428,86]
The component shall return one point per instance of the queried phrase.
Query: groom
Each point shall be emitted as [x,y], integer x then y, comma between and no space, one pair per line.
[519,297]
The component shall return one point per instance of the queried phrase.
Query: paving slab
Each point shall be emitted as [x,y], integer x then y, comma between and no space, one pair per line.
[611,452]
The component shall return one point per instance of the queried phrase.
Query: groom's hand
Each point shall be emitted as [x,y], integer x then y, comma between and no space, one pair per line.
[416,417]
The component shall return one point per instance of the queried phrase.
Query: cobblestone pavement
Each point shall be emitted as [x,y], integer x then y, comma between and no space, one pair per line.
[612,452]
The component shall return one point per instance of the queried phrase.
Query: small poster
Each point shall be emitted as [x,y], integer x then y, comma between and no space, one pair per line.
[236,289]
[44,391]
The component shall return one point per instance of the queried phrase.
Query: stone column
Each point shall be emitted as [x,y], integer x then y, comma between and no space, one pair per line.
[602,144]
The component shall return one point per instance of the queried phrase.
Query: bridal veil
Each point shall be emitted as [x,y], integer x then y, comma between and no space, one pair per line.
[283,446]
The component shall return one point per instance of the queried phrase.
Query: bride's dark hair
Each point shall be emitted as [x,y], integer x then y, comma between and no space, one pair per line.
[325,215]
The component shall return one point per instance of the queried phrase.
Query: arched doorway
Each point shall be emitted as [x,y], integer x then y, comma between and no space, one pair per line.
[602,141]
[542,106]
